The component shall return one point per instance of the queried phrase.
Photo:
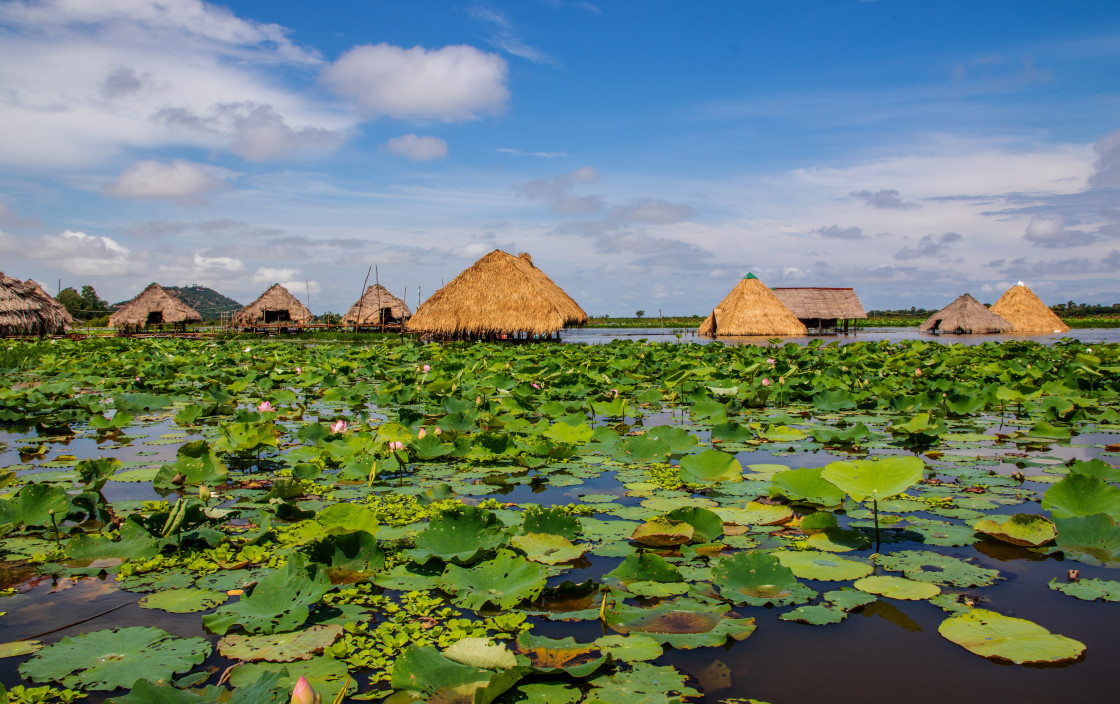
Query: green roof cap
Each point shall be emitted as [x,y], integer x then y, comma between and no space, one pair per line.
[750,276]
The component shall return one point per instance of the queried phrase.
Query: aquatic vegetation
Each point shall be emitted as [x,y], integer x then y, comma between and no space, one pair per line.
[450,523]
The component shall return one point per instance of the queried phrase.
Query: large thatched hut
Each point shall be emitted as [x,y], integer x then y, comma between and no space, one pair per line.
[276,305]
[964,316]
[154,306]
[377,307]
[1024,310]
[26,309]
[822,309]
[498,297]
[751,309]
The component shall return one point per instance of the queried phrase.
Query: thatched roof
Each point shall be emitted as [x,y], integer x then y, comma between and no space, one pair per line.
[821,303]
[1026,312]
[751,309]
[25,308]
[498,294]
[964,316]
[153,299]
[276,299]
[370,305]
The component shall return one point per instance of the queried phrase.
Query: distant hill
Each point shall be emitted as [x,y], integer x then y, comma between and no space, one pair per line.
[206,301]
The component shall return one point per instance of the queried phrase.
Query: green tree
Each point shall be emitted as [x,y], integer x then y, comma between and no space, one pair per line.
[639,314]
[84,305]
[73,302]
[94,305]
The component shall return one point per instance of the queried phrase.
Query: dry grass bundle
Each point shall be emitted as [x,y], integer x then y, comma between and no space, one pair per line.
[370,306]
[26,309]
[499,294]
[966,315]
[154,306]
[821,303]
[751,309]
[276,305]
[1026,312]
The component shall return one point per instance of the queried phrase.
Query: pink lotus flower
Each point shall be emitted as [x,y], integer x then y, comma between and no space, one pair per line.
[396,445]
[299,370]
[302,693]
[427,368]
[436,430]
[421,434]
[765,382]
[771,361]
[338,427]
[535,385]
[137,380]
[265,406]
[615,392]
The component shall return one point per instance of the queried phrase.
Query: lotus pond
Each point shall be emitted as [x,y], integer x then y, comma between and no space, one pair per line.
[188,521]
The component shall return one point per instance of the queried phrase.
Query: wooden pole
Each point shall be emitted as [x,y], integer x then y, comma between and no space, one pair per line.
[380,310]
[361,299]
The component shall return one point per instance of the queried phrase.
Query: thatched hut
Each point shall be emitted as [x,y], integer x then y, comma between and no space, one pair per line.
[964,316]
[377,307]
[498,297]
[154,306]
[1024,310]
[276,305]
[26,309]
[822,308]
[751,309]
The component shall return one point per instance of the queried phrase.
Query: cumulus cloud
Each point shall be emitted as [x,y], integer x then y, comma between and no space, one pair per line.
[181,181]
[836,232]
[252,131]
[451,84]
[930,246]
[886,199]
[1050,231]
[267,275]
[556,192]
[417,148]
[1106,171]
[82,254]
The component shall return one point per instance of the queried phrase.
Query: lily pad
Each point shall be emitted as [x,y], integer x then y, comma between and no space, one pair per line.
[504,582]
[898,588]
[663,532]
[993,635]
[938,569]
[874,479]
[822,566]
[547,548]
[1089,589]
[1021,529]
[183,601]
[284,647]
[757,578]
[681,624]
[710,466]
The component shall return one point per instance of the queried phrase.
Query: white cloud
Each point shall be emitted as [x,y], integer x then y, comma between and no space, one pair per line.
[266,275]
[84,255]
[556,192]
[542,155]
[452,84]
[300,288]
[181,181]
[504,36]
[417,148]
[1050,231]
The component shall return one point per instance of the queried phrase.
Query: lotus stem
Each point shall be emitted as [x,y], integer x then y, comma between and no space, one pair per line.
[54,524]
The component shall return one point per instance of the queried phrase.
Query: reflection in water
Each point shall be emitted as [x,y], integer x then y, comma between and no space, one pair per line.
[892,613]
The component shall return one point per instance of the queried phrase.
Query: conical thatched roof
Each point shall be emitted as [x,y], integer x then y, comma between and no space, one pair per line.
[153,299]
[25,308]
[1026,312]
[964,316]
[276,304]
[751,309]
[370,305]
[821,303]
[498,294]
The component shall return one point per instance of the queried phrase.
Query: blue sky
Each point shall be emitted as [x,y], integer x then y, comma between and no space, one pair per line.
[647,154]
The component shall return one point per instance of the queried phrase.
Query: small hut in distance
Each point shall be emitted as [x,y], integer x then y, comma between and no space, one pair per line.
[26,309]
[1026,312]
[154,306]
[751,309]
[822,308]
[498,297]
[966,315]
[377,307]
[275,305]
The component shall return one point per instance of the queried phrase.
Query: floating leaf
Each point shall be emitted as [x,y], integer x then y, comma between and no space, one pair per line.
[898,588]
[711,466]
[645,567]
[1091,539]
[550,654]
[632,648]
[547,548]
[1082,495]
[662,532]
[460,535]
[284,647]
[1089,589]
[938,569]
[279,602]
[822,566]
[183,601]
[757,578]
[1026,529]
[481,652]
[993,635]
[806,485]
[875,479]
[708,526]
[504,582]
[681,624]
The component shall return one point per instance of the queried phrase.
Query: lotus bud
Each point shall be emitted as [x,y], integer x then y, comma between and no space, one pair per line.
[918,372]
[302,693]
[203,492]
[765,382]
[178,479]
[437,431]
[1074,575]
[421,434]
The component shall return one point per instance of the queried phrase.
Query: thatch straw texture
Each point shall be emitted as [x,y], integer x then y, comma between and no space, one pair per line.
[153,299]
[499,294]
[26,309]
[821,303]
[751,309]
[372,303]
[273,306]
[1024,310]
[964,316]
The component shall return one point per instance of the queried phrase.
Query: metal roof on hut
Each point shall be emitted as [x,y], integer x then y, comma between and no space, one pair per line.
[1026,312]
[751,309]
[154,306]
[370,306]
[821,303]
[276,305]
[966,315]
[26,309]
[500,294]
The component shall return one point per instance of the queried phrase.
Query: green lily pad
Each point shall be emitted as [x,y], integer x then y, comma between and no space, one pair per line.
[805,485]
[708,526]
[1089,589]
[503,581]
[1091,539]
[25,647]
[754,513]
[1082,495]
[644,567]
[283,647]
[482,653]
[183,601]
[875,479]
[460,535]
[681,624]
[663,532]
[898,588]
[279,602]
[115,658]
[710,466]
[644,684]
[937,569]
[547,548]
[757,578]
[1021,529]
[632,648]
[822,566]
[548,655]
[816,615]
[993,635]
